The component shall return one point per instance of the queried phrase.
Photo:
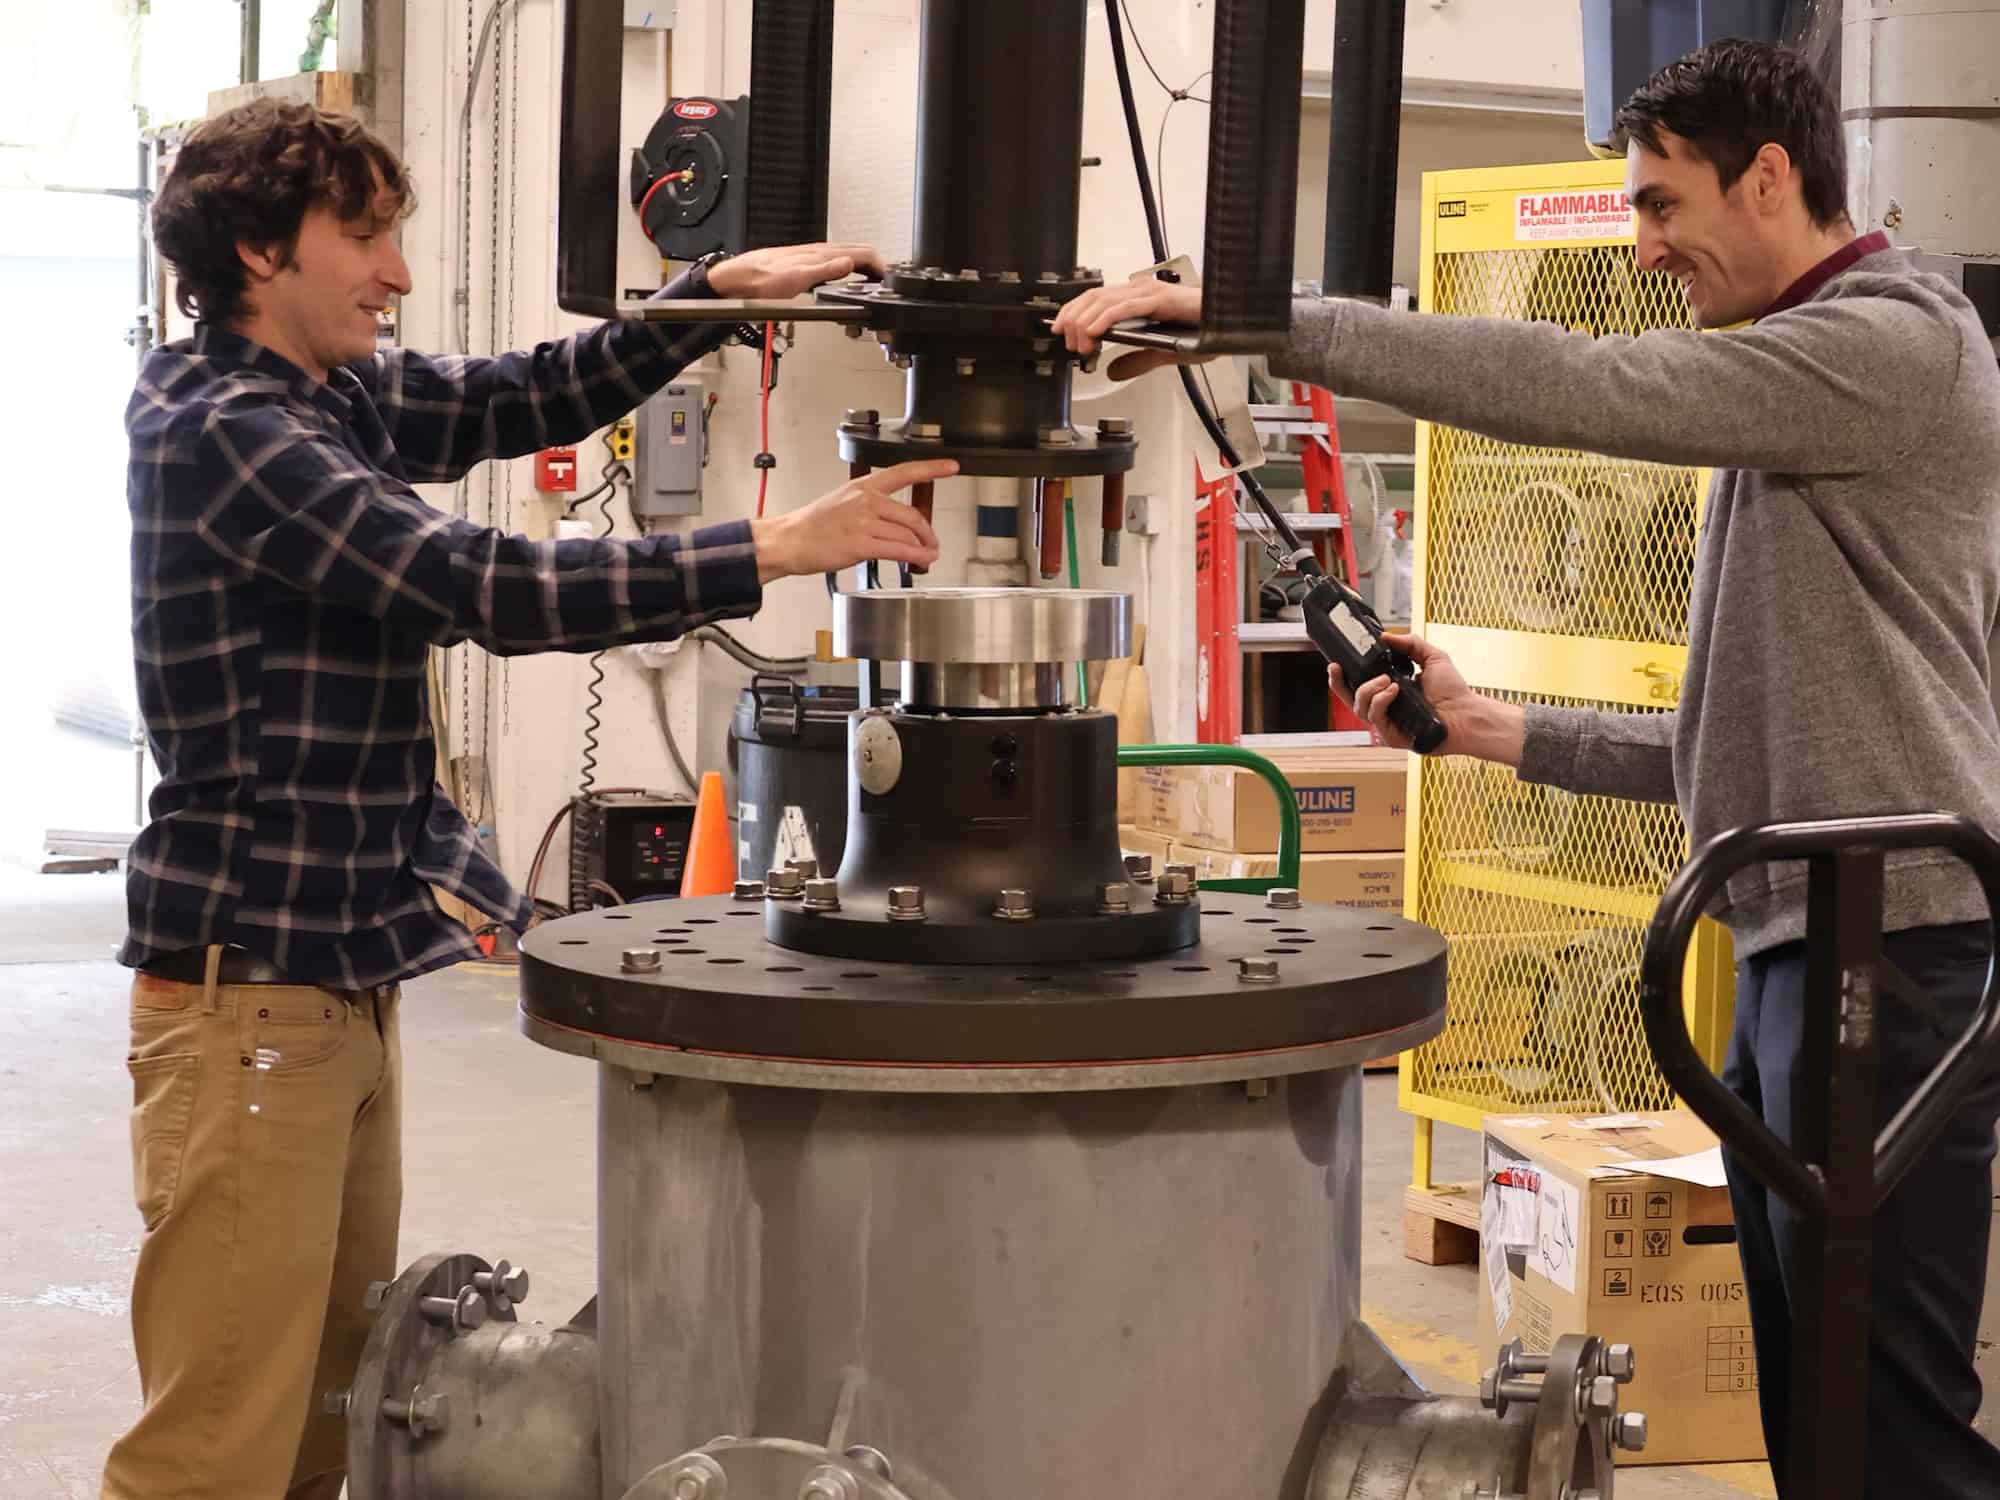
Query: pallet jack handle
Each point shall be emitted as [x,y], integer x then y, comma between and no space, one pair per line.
[1840,1167]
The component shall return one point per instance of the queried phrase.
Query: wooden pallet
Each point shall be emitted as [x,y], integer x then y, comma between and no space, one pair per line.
[1441,1223]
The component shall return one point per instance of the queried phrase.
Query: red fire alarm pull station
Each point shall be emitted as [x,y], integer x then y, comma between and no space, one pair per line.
[555,471]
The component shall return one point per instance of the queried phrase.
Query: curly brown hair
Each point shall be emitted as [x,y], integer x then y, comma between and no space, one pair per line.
[249,176]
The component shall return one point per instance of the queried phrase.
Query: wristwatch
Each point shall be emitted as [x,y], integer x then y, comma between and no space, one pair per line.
[698,273]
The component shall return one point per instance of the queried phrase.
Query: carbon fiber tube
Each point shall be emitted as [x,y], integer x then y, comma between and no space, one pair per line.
[587,176]
[791,120]
[1364,136]
[1253,151]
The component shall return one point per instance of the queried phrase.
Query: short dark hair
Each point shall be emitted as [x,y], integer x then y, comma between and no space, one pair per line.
[1731,98]
[250,175]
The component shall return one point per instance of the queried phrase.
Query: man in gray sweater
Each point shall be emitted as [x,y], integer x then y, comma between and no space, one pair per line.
[1841,626]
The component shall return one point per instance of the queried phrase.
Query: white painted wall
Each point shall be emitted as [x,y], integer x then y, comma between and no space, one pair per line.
[528,712]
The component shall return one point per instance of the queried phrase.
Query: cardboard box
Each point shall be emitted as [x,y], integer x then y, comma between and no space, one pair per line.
[1349,800]
[1577,1237]
[1369,881]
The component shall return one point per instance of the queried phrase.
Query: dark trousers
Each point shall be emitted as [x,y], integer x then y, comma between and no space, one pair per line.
[1930,1235]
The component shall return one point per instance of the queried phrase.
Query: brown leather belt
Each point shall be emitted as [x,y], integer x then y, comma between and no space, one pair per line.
[237,966]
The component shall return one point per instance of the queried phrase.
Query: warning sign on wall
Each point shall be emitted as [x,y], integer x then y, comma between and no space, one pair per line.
[1579,214]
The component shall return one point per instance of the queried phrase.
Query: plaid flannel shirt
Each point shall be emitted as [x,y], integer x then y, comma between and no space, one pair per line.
[287,584]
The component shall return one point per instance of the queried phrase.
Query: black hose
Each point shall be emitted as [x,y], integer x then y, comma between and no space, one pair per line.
[1300,557]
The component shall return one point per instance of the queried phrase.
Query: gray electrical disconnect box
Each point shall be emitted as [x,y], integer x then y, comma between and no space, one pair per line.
[666,474]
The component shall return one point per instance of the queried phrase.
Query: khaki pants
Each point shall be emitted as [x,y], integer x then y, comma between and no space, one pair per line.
[267,1164]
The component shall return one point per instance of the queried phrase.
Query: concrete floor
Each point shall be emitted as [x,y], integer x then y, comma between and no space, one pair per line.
[498,1137]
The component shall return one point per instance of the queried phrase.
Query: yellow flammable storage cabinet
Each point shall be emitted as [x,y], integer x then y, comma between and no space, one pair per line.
[1561,577]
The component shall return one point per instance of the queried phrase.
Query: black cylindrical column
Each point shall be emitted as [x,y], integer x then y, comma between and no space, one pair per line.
[1000,136]
[1364,129]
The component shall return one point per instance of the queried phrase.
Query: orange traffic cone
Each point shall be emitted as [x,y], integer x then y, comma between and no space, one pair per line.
[711,861]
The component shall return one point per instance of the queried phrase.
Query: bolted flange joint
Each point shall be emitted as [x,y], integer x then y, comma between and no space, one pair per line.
[505,1284]
[460,1314]
[422,1413]
[1014,905]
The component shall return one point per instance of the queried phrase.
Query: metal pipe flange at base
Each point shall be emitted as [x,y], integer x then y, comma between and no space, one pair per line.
[455,1399]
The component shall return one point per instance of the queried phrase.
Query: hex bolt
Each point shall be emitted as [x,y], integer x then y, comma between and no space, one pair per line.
[377,1293]
[871,1461]
[1088,363]
[1042,346]
[822,895]
[1176,888]
[1057,437]
[1602,1398]
[461,1314]
[853,330]
[1180,867]
[1048,278]
[1283,898]
[964,366]
[505,1283]
[1629,1431]
[1524,1391]
[906,903]
[1523,1363]
[640,960]
[1010,278]
[1618,1361]
[970,273]
[861,416]
[1015,905]
[901,361]
[1114,428]
[421,1413]
[1139,868]
[1045,367]
[1257,970]
[748,890]
[922,432]
[697,1477]
[829,1483]
[1114,899]
[1489,1389]
[335,1403]
[807,868]
[784,885]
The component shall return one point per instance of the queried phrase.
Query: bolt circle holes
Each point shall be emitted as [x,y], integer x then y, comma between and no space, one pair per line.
[576,942]
[1035,978]
[1210,911]
[816,989]
[1375,955]
[744,914]
[1288,931]
[1282,952]
[1190,968]
[1261,921]
[1121,973]
[617,916]
[860,974]
[784,969]
[686,952]
[1381,929]
[701,921]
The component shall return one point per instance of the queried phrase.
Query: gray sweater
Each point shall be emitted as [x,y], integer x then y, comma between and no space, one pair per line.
[1847,578]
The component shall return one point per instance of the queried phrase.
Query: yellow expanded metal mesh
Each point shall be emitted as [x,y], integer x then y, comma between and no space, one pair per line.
[1545,895]
[1546,539]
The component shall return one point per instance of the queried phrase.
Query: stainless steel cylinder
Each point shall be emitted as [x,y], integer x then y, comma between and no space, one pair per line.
[1102,1294]
[970,625]
[1016,685]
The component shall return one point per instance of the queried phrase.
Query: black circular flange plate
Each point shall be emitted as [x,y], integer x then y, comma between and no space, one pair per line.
[723,987]
[1080,459]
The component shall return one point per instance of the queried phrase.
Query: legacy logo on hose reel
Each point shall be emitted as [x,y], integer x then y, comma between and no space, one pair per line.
[688,180]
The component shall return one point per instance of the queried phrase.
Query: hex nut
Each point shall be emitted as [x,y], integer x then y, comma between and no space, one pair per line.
[640,960]
[822,894]
[1176,888]
[861,416]
[1603,1396]
[1629,1432]
[748,890]
[1114,899]
[1114,427]
[923,432]
[377,1293]
[1014,905]
[1057,437]
[807,868]
[829,1483]
[1619,1361]
[335,1402]
[1257,970]
[784,885]
[1283,898]
[696,1476]
[964,366]
[906,903]
[1139,868]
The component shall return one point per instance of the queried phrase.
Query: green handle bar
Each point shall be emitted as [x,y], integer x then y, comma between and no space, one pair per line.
[1130,756]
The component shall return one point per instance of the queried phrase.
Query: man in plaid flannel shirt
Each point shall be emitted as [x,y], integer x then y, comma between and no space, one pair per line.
[288,585]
